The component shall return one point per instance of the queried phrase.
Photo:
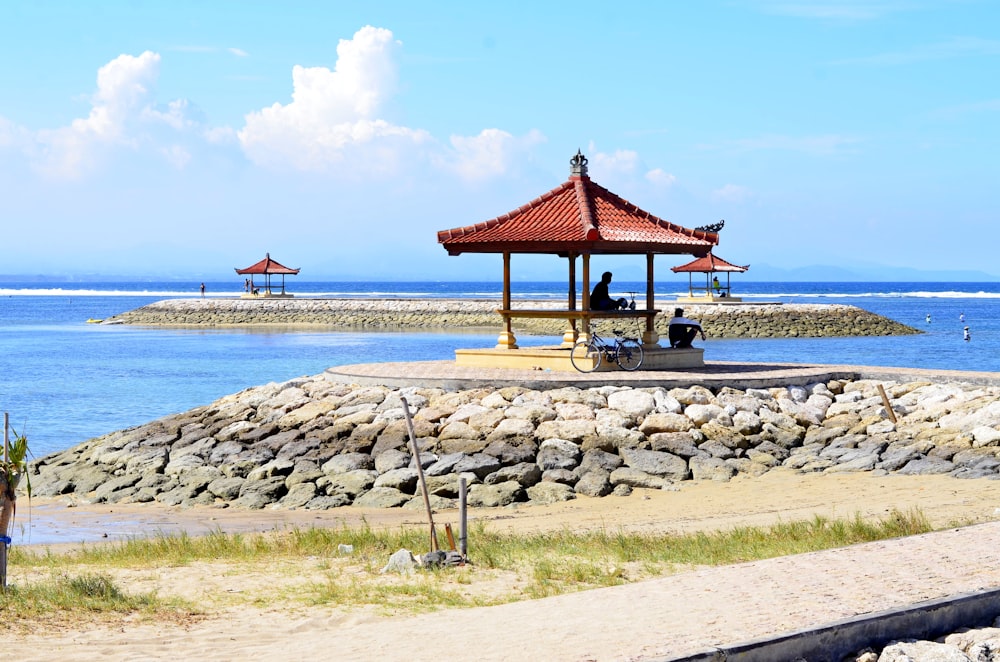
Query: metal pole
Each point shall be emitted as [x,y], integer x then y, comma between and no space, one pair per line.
[420,473]
[463,522]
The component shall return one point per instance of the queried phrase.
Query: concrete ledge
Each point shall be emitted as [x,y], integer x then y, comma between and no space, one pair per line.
[832,642]
[557,358]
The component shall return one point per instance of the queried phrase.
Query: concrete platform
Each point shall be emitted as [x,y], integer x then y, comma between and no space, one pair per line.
[267,295]
[714,374]
[558,358]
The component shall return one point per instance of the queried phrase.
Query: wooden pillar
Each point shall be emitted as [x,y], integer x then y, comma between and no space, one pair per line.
[569,335]
[585,323]
[506,339]
[650,338]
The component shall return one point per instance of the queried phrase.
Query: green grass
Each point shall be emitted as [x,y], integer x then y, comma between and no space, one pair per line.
[88,593]
[535,564]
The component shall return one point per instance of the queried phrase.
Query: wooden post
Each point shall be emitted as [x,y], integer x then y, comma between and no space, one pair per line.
[506,340]
[585,323]
[650,338]
[569,333]
[885,401]
[463,522]
[420,474]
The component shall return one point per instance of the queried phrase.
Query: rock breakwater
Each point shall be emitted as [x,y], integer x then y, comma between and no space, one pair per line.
[730,321]
[316,443]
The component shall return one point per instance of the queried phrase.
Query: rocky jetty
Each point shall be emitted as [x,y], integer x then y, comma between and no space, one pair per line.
[719,321]
[316,443]
[966,645]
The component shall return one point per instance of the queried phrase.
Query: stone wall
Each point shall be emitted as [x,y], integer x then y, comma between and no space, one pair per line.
[315,443]
[729,321]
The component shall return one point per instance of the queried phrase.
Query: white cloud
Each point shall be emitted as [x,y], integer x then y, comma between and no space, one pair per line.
[221,135]
[238,52]
[661,178]
[176,115]
[732,193]
[124,96]
[622,161]
[332,112]
[492,153]
[177,156]
[12,136]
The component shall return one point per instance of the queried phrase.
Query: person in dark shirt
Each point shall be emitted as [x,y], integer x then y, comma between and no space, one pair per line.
[600,299]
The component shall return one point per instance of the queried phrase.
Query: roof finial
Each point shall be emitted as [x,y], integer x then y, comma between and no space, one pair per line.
[578,165]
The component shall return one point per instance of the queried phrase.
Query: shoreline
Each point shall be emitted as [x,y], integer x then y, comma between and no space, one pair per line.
[782,495]
[746,320]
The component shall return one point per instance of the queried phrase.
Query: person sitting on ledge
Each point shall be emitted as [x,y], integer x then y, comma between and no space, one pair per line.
[601,300]
[682,330]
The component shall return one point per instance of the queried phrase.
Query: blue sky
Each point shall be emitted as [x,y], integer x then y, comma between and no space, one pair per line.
[188,138]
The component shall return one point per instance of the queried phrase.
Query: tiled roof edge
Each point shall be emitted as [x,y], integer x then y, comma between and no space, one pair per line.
[456,233]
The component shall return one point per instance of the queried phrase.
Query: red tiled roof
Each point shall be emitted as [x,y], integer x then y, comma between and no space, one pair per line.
[707,264]
[577,216]
[267,266]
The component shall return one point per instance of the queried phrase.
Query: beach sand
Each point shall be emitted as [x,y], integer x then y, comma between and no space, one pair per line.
[668,616]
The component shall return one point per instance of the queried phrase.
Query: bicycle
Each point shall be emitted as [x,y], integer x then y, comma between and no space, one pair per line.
[587,355]
[631,304]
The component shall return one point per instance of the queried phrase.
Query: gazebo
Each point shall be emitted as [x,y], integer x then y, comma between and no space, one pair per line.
[577,219]
[266,267]
[711,291]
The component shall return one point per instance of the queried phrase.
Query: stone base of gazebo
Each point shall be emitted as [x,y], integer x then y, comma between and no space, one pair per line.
[709,299]
[267,295]
[557,358]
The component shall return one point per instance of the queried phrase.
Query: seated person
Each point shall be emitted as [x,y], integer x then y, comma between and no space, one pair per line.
[601,300]
[682,331]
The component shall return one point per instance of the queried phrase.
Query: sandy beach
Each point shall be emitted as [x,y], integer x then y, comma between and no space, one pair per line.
[669,616]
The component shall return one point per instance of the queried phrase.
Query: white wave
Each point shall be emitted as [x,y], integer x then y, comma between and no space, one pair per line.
[62,292]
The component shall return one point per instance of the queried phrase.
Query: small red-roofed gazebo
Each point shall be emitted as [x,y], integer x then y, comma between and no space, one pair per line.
[709,265]
[579,218]
[267,267]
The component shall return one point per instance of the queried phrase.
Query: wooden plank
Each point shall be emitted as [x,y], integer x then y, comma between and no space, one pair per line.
[553,313]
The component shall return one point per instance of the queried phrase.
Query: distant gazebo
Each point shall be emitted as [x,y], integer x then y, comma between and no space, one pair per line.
[709,265]
[266,267]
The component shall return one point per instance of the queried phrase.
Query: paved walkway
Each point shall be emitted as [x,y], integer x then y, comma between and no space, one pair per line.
[447,375]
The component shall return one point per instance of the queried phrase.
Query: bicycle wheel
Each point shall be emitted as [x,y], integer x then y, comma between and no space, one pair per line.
[586,356]
[628,355]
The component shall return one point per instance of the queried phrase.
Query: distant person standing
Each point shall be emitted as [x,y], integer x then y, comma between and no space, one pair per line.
[203,289]
[961,318]
[717,285]
[928,318]
[246,285]
[965,334]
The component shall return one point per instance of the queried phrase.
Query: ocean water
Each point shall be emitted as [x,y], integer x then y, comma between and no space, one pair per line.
[64,381]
